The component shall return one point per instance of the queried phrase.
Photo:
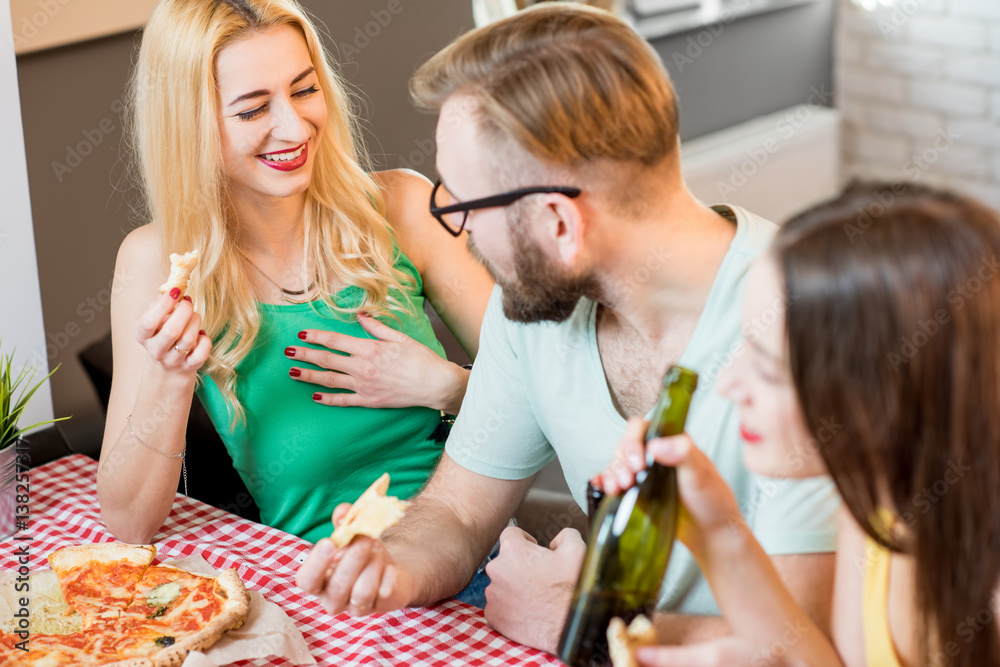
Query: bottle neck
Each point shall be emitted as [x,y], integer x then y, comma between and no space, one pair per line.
[654,470]
[670,413]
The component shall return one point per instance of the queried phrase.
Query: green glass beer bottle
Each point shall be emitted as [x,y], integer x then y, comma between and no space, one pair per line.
[631,537]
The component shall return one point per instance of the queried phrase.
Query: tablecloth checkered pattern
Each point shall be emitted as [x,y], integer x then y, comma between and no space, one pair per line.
[64,511]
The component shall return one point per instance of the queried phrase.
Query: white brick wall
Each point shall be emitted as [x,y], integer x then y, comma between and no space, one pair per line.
[947,31]
[914,78]
[977,9]
[959,99]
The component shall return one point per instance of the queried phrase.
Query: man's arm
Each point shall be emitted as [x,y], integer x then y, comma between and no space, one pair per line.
[451,527]
[429,556]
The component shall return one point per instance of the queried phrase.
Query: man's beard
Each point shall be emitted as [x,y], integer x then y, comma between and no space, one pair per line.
[540,291]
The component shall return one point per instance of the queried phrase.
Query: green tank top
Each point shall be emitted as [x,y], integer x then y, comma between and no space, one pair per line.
[300,459]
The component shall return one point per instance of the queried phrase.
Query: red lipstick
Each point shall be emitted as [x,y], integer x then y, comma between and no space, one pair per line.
[288,165]
[749,435]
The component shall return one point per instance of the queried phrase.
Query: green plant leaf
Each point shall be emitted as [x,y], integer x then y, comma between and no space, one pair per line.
[11,408]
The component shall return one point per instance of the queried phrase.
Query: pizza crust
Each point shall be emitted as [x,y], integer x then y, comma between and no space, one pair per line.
[181,267]
[372,514]
[66,559]
[623,642]
[233,615]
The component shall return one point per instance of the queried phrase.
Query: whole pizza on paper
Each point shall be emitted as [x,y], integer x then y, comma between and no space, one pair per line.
[116,608]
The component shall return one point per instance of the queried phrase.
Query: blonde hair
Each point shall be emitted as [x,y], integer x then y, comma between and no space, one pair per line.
[571,85]
[174,112]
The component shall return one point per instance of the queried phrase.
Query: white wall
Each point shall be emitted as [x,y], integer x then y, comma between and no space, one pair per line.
[918,85]
[20,300]
[775,166]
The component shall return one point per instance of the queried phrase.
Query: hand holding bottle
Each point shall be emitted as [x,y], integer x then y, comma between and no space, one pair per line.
[707,504]
[630,542]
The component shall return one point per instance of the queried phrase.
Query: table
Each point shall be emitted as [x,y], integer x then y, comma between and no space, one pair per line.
[64,511]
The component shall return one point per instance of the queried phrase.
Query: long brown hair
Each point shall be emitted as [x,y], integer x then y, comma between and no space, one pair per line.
[894,334]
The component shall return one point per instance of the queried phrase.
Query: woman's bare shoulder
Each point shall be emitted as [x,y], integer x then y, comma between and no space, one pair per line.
[406,192]
[141,262]
[407,209]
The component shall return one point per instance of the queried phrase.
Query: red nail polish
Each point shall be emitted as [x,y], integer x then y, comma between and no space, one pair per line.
[187,298]
[317,397]
[302,335]
[201,332]
[175,293]
[289,351]
[294,372]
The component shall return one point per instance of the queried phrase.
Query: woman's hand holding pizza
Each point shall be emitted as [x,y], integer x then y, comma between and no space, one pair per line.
[171,332]
[390,371]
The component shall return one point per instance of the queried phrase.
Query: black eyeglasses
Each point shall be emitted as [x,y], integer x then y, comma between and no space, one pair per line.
[453,216]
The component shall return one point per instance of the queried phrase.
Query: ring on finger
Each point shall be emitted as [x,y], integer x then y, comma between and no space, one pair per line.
[361,607]
[184,352]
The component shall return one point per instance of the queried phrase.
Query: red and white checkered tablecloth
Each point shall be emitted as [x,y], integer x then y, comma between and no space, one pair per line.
[64,511]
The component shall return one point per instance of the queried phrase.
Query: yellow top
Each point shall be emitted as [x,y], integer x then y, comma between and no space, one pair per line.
[879,647]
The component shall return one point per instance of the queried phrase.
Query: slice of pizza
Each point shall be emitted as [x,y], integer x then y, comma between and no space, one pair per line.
[98,580]
[181,267]
[371,515]
[175,612]
[623,641]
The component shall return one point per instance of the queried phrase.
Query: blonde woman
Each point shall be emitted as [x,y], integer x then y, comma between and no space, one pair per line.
[306,310]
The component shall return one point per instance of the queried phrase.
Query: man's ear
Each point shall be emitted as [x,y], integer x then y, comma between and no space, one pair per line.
[566,226]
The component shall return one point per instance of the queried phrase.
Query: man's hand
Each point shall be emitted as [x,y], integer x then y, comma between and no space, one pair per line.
[359,579]
[531,587]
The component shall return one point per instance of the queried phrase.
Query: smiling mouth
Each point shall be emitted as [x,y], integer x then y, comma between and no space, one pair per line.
[283,156]
[286,160]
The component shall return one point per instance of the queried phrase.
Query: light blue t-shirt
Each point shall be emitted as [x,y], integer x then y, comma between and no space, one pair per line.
[538,391]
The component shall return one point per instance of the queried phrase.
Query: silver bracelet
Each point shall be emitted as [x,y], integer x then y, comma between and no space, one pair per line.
[182,456]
